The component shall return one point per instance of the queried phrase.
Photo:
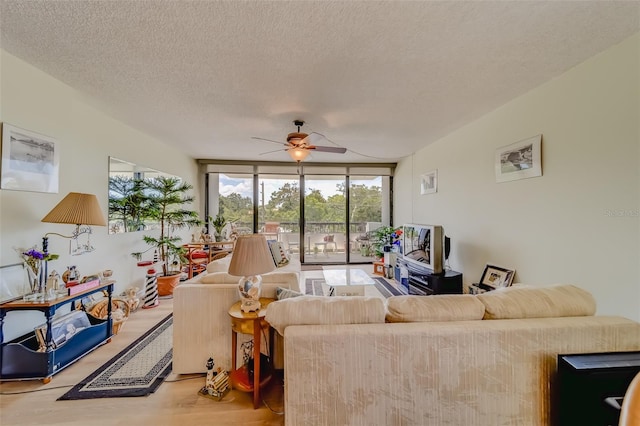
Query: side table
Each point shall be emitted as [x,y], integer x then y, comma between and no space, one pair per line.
[250,323]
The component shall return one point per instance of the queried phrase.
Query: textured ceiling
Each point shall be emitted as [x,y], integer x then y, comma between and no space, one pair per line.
[379,78]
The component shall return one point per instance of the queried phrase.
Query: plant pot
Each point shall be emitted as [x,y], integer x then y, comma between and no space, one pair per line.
[166,284]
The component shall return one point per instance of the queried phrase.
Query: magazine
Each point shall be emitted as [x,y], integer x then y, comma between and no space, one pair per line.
[62,328]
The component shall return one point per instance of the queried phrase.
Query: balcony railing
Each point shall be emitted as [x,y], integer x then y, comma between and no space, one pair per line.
[314,227]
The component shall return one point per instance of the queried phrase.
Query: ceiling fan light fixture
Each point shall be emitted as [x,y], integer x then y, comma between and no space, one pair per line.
[298,154]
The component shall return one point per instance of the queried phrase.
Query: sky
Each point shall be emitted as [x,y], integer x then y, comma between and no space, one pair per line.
[243,186]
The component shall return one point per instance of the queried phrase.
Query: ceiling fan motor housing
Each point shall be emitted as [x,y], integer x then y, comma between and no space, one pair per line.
[296,137]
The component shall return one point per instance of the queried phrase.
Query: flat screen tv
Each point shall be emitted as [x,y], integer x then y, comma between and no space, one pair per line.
[422,248]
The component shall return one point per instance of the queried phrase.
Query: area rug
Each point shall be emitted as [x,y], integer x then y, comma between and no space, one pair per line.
[137,370]
[318,287]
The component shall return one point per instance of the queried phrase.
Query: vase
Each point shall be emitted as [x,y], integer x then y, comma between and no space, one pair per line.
[34,284]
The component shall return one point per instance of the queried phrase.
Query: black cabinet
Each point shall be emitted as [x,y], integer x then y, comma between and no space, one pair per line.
[586,384]
[425,284]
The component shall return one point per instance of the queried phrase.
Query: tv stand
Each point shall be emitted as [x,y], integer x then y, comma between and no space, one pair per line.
[426,283]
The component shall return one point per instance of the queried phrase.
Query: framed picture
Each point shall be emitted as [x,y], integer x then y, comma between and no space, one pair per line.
[30,161]
[12,282]
[429,182]
[520,160]
[496,277]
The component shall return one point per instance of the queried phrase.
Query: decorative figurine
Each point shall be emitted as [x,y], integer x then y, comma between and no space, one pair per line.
[217,382]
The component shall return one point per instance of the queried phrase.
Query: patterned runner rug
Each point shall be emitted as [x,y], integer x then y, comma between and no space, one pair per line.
[137,370]
[318,287]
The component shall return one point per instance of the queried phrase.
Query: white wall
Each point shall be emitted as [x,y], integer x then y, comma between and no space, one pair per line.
[33,100]
[579,222]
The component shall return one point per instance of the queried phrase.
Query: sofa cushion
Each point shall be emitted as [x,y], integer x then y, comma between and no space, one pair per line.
[445,307]
[537,302]
[219,265]
[313,310]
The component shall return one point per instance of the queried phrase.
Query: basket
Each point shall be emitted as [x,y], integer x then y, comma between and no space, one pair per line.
[99,310]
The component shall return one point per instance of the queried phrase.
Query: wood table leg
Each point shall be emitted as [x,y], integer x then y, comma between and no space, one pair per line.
[256,363]
[234,349]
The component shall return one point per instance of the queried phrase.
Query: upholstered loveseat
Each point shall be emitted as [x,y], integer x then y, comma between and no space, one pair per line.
[201,324]
[437,360]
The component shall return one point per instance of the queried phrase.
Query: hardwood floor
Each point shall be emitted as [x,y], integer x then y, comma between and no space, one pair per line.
[174,403]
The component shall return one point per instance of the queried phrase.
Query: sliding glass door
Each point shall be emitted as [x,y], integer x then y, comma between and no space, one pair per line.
[279,209]
[368,210]
[325,236]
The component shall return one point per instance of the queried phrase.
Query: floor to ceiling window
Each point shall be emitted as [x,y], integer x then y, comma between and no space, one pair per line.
[331,224]
[235,203]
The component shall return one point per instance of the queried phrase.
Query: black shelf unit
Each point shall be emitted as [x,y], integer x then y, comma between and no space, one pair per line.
[20,358]
[586,381]
[423,282]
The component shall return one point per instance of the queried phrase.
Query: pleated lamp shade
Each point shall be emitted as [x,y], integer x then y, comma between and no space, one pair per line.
[77,209]
[251,256]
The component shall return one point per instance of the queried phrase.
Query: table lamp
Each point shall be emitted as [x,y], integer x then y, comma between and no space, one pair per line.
[251,257]
[75,209]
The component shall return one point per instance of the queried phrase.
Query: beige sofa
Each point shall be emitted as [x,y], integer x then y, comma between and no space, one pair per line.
[201,324]
[438,360]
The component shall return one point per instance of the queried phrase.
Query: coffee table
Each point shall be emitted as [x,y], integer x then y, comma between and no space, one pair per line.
[347,282]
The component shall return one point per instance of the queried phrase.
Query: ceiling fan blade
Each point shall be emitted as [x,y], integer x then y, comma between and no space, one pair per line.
[334,149]
[271,152]
[315,137]
[268,140]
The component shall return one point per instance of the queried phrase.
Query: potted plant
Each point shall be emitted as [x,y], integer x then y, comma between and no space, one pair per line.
[218,224]
[166,198]
[385,236]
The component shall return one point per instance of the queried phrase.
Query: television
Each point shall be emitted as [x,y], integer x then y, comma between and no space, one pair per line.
[422,248]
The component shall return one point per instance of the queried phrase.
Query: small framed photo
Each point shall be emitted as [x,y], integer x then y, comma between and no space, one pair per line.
[429,182]
[495,277]
[520,160]
[30,161]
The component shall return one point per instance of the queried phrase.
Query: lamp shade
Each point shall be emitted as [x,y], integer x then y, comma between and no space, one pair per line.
[77,209]
[251,256]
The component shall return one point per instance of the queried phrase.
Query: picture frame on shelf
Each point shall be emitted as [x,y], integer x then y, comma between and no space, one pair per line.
[30,161]
[12,282]
[520,160]
[494,277]
[429,182]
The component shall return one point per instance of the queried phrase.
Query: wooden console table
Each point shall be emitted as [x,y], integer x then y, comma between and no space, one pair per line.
[20,358]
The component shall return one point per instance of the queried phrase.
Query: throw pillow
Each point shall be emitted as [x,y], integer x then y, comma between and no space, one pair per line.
[286,293]
[279,255]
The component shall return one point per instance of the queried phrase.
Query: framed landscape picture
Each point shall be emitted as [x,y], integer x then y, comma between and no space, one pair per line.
[520,160]
[30,161]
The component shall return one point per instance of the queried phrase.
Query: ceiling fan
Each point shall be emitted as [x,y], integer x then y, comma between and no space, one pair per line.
[300,144]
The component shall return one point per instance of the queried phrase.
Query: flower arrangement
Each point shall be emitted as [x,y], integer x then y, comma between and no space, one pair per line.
[33,259]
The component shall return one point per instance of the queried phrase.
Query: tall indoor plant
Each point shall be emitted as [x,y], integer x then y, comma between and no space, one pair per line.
[166,198]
